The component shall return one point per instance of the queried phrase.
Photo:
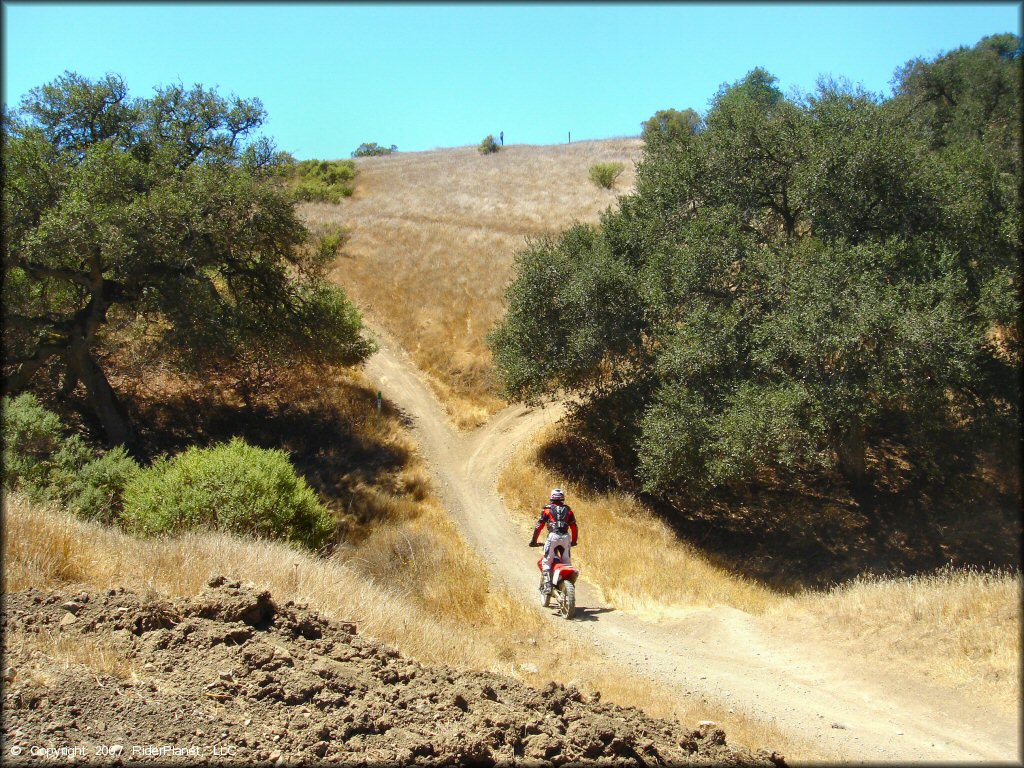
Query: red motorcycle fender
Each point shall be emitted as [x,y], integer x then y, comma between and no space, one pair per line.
[563,573]
[560,572]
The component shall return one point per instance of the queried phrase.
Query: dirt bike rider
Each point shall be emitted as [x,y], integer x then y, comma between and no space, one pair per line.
[560,520]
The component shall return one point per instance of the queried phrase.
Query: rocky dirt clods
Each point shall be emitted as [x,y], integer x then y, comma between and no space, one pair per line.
[229,676]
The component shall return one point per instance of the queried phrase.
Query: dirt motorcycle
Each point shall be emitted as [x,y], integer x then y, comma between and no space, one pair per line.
[563,584]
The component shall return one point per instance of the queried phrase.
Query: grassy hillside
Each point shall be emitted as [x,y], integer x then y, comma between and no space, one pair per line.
[428,251]
[431,239]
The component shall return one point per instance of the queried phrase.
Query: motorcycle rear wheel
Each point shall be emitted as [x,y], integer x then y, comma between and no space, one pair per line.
[567,601]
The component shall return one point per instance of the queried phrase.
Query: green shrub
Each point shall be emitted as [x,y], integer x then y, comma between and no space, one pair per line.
[670,124]
[326,181]
[331,172]
[488,145]
[38,460]
[331,242]
[605,174]
[230,487]
[45,466]
[97,491]
[32,435]
[316,191]
[64,469]
[373,150]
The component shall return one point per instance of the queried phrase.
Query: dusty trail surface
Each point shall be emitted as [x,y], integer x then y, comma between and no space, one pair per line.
[229,676]
[807,688]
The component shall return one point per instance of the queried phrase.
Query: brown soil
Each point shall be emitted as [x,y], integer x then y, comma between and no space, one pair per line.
[230,676]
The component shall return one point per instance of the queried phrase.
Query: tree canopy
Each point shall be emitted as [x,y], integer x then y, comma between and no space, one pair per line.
[670,123]
[373,149]
[792,283]
[162,210]
[970,94]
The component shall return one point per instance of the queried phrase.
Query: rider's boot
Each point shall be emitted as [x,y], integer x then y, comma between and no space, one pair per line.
[546,586]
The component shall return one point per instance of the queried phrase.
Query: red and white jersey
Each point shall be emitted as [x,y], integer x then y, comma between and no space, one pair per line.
[559,519]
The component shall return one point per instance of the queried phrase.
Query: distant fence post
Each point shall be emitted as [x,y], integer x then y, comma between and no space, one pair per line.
[570,137]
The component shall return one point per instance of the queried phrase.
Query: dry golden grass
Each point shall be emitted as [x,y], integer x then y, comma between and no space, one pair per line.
[957,627]
[960,627]
[100,656]
[48,548]
[403,585]
[432,240]
[616,559]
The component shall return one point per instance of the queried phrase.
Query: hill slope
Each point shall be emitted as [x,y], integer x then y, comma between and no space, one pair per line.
[432,236]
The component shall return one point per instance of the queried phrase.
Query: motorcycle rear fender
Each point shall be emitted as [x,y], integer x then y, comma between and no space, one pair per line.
[560,572]
[563,573]
[554,564]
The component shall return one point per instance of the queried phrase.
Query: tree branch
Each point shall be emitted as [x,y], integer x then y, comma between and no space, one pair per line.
[20,378]
[28,323]
[82,278]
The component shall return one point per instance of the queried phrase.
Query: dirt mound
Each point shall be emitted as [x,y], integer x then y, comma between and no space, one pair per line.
[230,676]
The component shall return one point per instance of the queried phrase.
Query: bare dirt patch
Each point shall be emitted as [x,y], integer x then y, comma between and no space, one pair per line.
[231,676]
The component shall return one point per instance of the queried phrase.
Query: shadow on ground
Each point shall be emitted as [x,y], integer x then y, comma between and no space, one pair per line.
[791,532]
[325,421]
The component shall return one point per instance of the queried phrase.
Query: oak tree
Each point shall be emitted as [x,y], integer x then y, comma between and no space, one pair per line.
[165,210]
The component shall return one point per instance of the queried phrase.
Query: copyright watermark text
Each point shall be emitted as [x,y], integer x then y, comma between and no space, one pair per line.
[78,752]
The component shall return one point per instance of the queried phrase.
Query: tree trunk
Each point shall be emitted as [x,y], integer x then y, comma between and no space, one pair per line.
[851,452]
[70,379]
[100,395]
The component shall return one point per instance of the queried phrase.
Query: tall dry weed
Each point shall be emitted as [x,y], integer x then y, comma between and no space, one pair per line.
[959,626]
[391,607]
[101,656]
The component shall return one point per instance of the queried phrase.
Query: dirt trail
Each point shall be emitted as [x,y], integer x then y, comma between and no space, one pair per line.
[804,686]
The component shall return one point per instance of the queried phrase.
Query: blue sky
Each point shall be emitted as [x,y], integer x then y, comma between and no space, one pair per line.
[333,75]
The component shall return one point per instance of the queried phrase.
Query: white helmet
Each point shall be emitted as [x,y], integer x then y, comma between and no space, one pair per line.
[558,495]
